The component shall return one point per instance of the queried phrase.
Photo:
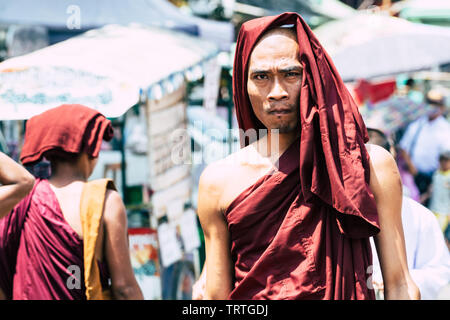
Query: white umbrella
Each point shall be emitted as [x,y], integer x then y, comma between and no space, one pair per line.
[368,46]
[107,69]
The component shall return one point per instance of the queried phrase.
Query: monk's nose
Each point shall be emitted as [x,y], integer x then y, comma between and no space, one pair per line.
[278,92]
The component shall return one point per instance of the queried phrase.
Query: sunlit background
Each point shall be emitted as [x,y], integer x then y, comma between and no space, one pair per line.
[161,72]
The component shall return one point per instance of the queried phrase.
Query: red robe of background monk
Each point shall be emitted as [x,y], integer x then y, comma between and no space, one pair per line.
[42,252]
[291,217]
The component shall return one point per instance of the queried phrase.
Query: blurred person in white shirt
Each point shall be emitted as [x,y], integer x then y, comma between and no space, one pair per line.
[425,139]
[426,251]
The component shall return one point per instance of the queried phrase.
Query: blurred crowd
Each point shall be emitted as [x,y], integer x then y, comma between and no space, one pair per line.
[422,151]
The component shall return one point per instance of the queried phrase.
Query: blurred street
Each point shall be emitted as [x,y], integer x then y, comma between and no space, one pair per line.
[161,72]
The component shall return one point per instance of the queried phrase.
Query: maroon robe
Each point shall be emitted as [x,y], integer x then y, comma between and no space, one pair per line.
[38,248]
[303,232]
[284,247]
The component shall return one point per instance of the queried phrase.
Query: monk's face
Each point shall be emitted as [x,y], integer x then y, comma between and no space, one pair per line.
[274,80]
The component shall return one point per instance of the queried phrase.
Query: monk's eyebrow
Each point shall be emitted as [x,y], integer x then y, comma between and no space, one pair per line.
[259,71]
[291,69]
[282,70]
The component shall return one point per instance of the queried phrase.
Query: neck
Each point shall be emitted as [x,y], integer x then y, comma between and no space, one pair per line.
[67,173]
[274,144]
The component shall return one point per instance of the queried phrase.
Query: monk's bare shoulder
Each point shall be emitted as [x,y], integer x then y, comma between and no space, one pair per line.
[381,160]
[114,210]
[384,173]
[220,181]
[212,180]
[216,175]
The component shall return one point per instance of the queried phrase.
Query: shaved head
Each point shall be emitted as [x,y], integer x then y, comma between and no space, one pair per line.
[279,31]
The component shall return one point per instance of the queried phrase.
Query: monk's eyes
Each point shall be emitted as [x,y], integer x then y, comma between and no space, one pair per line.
[292,74]
[260,76]
[288,75]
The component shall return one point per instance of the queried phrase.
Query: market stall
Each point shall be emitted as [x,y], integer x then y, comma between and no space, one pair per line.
[66,18]
[136,76]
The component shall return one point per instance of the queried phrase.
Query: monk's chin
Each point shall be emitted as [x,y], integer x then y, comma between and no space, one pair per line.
[285,128]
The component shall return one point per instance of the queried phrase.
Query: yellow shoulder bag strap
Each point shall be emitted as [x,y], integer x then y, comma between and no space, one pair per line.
[91,211]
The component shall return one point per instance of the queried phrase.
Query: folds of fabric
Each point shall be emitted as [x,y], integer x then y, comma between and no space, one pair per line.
[41,256]
[10,232]
[333,163]
[91,207]
[284,246]
[68,128]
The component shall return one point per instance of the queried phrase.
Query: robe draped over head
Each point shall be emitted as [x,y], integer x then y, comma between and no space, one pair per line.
[67,129]
[317,211]
[334,163]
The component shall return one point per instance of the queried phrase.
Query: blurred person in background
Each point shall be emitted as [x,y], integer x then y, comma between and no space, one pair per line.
[440,191]
[68,238]
[426,251]
[409,186]
[424,140]
[413,92]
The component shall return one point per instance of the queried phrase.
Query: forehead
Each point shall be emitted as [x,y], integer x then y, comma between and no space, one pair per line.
[275,47]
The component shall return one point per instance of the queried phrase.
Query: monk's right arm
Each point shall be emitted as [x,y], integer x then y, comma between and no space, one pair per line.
[386,186]
[219,266]
[123,282]
[16,182]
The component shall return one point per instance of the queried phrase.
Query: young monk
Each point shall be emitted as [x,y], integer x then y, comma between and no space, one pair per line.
[42,242]
[294,221]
